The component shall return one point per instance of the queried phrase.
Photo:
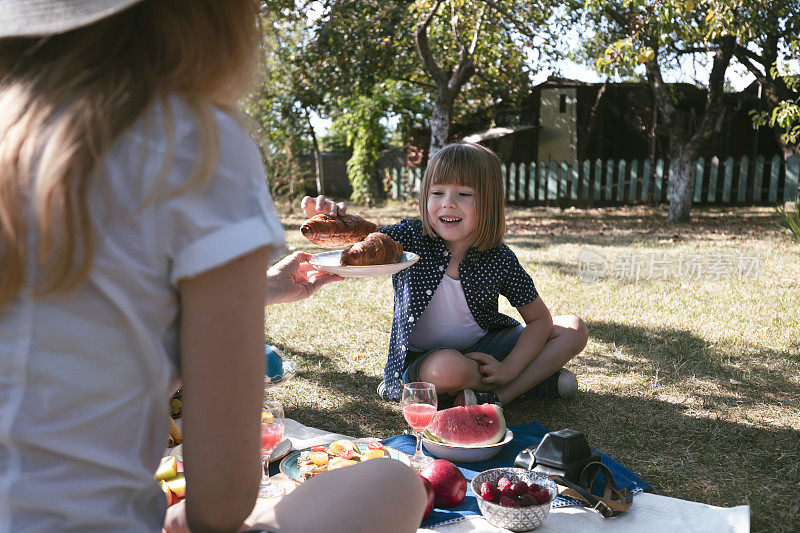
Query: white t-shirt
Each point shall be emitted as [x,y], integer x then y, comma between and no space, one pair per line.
[447,322]
[86,375]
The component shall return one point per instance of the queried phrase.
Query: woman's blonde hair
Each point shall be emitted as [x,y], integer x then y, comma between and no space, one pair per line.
[65,99]
[477,167]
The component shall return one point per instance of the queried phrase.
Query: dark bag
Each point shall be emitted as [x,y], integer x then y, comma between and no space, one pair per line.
[563,453]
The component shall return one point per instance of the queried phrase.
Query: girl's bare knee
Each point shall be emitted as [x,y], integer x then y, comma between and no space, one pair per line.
[579,332]
[451,371]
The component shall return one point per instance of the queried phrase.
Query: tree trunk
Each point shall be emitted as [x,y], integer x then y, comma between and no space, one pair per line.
[681,185]
[448,83]
[318,168]
[685,146]
[440,121]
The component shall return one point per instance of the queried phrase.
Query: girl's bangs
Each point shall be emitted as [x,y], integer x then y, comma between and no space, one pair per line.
[456,171]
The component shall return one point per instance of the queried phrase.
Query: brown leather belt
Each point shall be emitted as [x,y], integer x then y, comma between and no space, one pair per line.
[613,501]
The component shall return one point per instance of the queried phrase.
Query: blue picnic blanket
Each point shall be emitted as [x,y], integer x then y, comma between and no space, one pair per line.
[524,435]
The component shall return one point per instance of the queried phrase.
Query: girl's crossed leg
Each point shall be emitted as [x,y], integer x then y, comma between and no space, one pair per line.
[451,371]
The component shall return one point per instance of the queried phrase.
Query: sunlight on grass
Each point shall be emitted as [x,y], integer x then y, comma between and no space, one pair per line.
[694,383]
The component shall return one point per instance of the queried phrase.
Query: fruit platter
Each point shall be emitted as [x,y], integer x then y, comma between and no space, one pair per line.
[303,464]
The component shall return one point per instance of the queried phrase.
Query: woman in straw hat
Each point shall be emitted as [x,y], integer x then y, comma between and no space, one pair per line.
[135,227]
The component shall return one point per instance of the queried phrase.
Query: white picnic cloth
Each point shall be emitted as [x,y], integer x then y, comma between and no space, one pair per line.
[650,512]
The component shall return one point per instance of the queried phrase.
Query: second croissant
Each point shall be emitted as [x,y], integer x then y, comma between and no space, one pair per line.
[377,249]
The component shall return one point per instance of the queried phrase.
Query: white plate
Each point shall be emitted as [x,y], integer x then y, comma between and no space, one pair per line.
[466,454]
[329,262]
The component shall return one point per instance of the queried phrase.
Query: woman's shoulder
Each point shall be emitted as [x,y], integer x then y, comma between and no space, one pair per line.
[173,130]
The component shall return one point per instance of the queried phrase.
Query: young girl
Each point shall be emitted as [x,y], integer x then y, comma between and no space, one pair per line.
[135,231]
[447,329]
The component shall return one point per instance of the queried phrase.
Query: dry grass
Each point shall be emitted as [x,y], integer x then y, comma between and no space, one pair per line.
[692,383]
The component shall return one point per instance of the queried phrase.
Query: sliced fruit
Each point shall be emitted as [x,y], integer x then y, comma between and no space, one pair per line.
[167,469]
[335,447]
[346,454]
[177,486]
[472,425]
[266,417]
[319,458]
[318,448]
[372,454]
[375,445]
[338,462]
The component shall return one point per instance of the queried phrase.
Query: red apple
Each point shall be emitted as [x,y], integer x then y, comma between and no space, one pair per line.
[448,482]
[431,496]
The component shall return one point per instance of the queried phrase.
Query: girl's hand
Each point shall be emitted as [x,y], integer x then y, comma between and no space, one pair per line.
[294,278]
[495,373]
[322,206]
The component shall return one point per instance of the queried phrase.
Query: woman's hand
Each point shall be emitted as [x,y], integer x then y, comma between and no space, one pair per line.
[495,373]
[322,206]
[294,278]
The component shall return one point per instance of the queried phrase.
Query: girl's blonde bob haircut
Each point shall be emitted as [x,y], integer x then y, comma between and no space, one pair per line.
[477,167]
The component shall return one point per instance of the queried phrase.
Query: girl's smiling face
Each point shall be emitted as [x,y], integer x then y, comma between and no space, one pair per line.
[451,213]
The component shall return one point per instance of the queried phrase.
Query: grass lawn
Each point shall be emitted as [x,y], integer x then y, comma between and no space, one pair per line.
[691,377]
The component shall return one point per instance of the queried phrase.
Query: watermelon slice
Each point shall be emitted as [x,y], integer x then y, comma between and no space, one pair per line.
[473,425]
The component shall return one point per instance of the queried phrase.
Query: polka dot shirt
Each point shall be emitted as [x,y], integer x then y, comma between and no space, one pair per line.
[484,277]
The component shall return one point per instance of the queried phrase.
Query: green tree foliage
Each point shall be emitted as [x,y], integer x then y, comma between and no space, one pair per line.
[361,121]
[768,45]
[280,105]
[479,55]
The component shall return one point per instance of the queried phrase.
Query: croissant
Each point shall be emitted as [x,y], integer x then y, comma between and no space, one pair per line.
[331,231]
[376,249]
[175,434]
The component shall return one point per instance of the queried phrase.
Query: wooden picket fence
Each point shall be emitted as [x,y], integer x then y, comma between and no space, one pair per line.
[744,181]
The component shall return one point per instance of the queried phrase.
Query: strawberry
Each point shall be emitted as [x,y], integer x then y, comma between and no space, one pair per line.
[541,496]
[507,502]
[526,500]
[508,492]
[489,491]
[502,483]
[375,445]
[520,488]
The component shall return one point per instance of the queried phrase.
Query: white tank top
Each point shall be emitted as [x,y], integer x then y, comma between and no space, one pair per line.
[447,322]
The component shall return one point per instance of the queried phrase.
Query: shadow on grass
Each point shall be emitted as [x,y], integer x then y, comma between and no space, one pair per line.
[684,456]
[356,408]
[676,357]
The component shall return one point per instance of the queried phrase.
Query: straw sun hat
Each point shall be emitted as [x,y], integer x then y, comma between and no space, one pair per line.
[35,18]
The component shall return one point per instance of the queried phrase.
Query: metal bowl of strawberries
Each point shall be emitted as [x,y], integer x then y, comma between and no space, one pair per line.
[514,498]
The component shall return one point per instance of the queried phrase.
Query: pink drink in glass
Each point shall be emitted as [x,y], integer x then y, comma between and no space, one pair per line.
[271,436]
[419,416]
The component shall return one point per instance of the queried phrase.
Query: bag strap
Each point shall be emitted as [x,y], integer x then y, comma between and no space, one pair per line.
[612,503]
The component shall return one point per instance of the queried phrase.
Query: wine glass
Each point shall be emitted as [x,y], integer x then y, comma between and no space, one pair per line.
[419,408]
[271,435]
